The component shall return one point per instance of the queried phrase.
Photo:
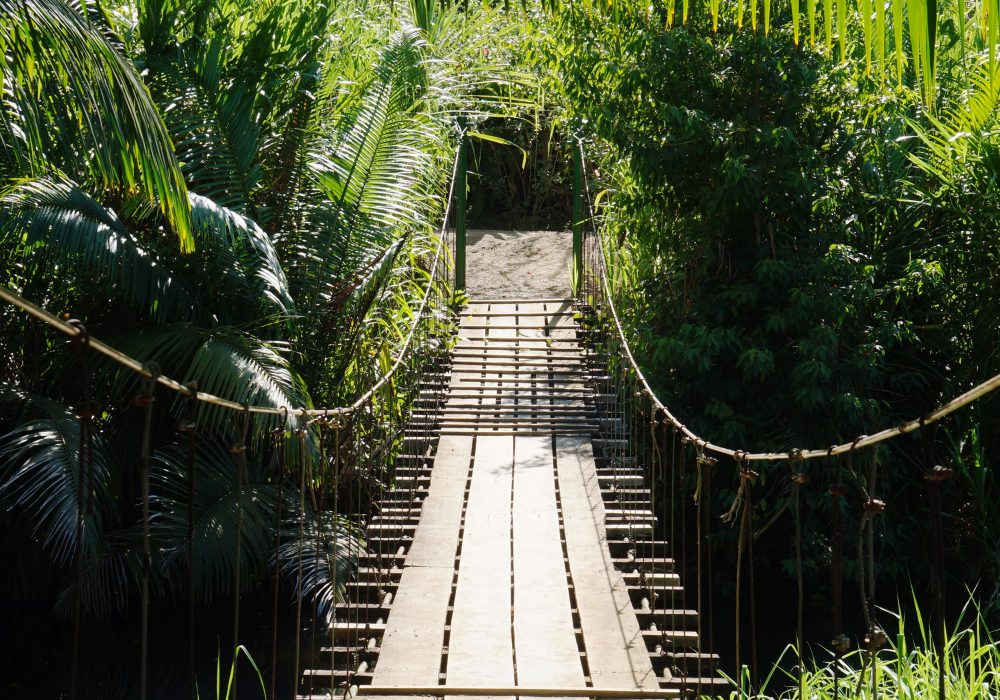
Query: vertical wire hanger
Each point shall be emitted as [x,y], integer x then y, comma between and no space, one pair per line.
[281,437]
[145,401]
[239,451]
[799,479]
[80,343]
[187,427]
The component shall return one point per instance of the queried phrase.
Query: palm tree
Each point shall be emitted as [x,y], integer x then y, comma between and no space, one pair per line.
[302,184]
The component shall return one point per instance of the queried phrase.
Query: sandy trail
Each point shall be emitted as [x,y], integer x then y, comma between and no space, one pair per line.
[518,264]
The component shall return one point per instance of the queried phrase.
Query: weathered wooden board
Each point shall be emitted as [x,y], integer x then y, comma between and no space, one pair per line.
[414,634]
[480,651]
[615,649]
[503,636]
[436,539]
[545,649]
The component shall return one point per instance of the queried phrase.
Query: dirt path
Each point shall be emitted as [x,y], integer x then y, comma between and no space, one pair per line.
[518,264]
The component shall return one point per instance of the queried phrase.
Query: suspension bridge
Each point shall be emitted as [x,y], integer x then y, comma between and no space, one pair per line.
[518,554]
[537,508]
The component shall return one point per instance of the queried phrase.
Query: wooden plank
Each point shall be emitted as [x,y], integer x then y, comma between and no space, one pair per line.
[510,325]
[446,691]
[514,351]
[514,432]
[497,353]
[414,634]
[527,424]
[546,651]
[520,313]
[524,342]
[436,539]
[616,653]
[500,392]
[480,649]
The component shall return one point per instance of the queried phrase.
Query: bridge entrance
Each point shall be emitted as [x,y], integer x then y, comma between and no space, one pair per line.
[515,264]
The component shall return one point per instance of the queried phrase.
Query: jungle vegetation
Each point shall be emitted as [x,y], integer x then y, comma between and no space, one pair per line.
[800,201]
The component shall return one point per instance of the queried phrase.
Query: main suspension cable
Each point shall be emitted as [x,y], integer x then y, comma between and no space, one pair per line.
[74,331]
[601,267]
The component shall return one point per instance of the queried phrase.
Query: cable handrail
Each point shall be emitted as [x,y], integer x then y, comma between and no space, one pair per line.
[364,398]
[859,442]
[339,412]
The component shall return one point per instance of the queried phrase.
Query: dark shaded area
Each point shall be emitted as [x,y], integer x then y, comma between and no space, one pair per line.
[526,186]
[36,665]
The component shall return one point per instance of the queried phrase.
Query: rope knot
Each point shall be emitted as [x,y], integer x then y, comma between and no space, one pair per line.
[874,506]
[798,478]
[706,461]
[82,337]
[188,424]
[280,430]
[938,474]
[146,397]
[241,445]
[338,421]
[841,644]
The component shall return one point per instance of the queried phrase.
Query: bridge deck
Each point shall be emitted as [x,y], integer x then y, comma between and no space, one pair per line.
[509,580]
[512,617]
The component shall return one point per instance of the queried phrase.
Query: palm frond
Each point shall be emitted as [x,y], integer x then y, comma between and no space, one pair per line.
[327,549]
[211,118]
[108,580]
[237,248]
[372,179]
[365,294]
[215,508]
[74,104]
[66,227]
[228,363]
[40,474]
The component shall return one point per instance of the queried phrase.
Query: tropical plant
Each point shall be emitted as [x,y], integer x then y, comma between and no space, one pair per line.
[298,153]
[802,253]
[904,669]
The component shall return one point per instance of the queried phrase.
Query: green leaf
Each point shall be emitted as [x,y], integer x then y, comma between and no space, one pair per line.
[80,107]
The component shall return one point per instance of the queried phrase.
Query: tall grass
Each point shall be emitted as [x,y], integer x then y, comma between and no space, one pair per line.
[227,691]
[972,667]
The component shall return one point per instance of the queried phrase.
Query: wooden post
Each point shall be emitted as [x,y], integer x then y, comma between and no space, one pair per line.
[577,217]
[461,183]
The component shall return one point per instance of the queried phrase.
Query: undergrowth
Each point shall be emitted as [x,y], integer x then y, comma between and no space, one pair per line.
[903,669]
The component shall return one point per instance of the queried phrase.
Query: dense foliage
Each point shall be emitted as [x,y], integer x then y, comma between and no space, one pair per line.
[804,255]
[247,195]
[803,232]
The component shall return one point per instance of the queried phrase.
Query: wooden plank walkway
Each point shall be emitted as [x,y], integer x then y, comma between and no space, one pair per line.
[545,642]
[615,647]
[509,581]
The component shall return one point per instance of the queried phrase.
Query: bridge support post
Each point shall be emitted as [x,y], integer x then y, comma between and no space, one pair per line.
[577,216]
[461,182]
